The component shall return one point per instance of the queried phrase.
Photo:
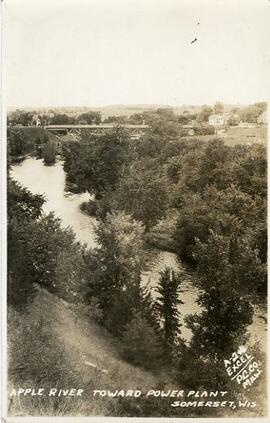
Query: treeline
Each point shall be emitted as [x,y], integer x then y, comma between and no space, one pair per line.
[165,121]
[198,118]
[23,118]
[252,112]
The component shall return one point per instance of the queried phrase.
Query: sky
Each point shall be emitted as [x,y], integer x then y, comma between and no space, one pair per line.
[104,52]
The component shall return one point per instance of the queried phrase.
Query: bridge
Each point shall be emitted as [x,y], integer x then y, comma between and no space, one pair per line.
[136,131]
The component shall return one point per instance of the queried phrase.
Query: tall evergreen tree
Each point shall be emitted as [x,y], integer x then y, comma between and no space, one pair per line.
[167,305]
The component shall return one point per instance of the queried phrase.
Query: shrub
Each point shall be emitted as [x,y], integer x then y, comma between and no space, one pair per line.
[141,345]
[49,153]
[89,207]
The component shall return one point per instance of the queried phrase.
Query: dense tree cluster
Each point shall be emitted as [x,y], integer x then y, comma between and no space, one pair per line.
[96,166]
[207,186]
[22,142]
[23,118]
[252,112]
[40,252]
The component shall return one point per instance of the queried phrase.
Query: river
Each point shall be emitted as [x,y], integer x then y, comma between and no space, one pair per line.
[50,181]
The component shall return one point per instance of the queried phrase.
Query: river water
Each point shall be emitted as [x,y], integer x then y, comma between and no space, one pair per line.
[50,181]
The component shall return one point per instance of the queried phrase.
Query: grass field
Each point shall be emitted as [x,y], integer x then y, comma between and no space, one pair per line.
[236,135]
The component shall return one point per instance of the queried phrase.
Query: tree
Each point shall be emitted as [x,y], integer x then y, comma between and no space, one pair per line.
[227,269]
[163,123]
[62,119]
[148,309]
[116,268]
[214,164]
[96,164]
[251,173]
[22,204]
[23,209]
[204,114]
[252,112]
[90,118]
[167,306]
[71,274]
[219,107]
[227,272]
[49,153]
[20,117]
[223,211]
[22,141]
[57,260]
[116,119]
[141,345]
[16,142]
[40,252]
[233,120]
[142,193]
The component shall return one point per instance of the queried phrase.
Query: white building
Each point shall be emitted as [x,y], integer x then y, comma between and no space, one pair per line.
[216,120]
[247,124]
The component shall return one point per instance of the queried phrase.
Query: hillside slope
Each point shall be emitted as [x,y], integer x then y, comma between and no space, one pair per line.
[88,354]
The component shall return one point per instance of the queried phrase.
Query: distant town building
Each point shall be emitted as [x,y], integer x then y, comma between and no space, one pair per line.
[216,120]
[190,126]
[247,125]
[262,119]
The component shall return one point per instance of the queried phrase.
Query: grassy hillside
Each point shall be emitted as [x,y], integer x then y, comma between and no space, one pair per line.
[77,346]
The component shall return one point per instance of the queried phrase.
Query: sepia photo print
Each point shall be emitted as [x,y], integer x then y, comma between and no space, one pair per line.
[135,176]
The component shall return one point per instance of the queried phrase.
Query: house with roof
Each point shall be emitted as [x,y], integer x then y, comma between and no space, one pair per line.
[217,120]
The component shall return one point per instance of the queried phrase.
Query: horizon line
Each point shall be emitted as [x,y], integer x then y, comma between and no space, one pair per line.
[137,105]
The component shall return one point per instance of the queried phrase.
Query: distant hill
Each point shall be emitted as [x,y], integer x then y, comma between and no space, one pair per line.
[118,109]
[109,110]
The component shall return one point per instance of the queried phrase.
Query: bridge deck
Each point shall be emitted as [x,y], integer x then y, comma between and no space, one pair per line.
[102,126]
